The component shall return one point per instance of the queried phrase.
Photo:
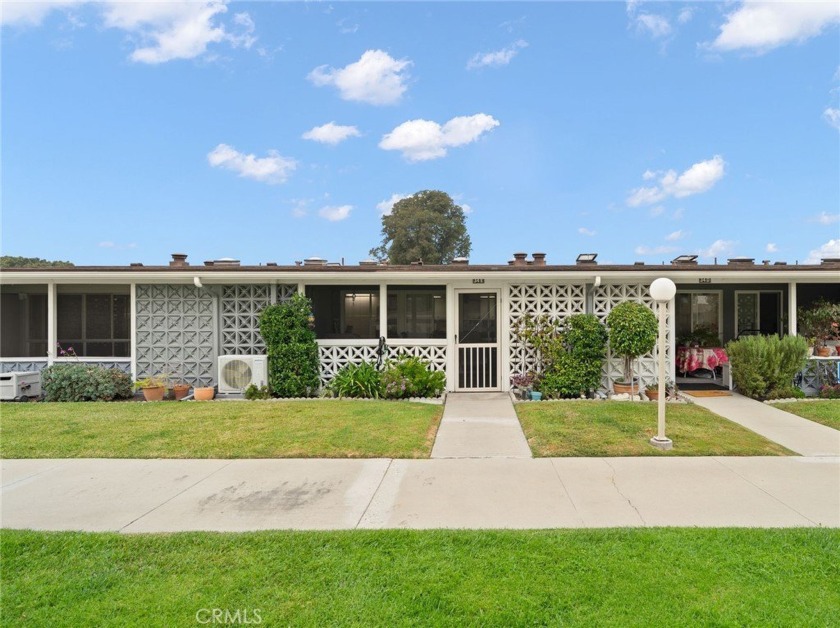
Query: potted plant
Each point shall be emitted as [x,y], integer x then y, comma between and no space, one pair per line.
[204,393]
[154,387]
[524,383]
[180,390]
[652,390]
[632,332]
[821,321]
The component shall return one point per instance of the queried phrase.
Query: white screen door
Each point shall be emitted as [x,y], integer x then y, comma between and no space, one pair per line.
[478,341]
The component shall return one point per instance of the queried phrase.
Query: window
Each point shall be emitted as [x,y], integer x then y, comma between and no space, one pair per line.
[23,322]
[416,312]
[697,312]
[95,325]
[345,312]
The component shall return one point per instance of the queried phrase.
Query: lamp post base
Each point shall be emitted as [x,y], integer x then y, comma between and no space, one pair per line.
[662,443]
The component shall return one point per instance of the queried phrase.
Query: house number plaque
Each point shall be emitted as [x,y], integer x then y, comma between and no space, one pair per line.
[478,281]
[705,280]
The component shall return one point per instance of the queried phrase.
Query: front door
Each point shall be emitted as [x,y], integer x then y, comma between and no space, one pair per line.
[478,341]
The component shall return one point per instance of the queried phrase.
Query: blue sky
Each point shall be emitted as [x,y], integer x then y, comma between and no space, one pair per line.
[277,131]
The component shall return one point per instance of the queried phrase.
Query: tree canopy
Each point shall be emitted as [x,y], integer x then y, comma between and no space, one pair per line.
[426,226]
[15,261]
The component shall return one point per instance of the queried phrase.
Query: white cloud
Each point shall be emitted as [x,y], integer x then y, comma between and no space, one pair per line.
[655,211]
[586,232]
[718,248]
[420,140]
[685,15]
[162,31]
[761,26]
[675,235]
[656,250]
[700,177]
[824,218]
[654,25]
[376,78]
[678,213]
[272,169]
[771,247]
[829,249]
[832,116]
[497,58]
[335,213]
[331,133]
[387,206]
[466,208]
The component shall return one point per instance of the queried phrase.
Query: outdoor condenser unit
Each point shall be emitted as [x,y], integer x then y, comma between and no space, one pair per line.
[237,372]
[19,385]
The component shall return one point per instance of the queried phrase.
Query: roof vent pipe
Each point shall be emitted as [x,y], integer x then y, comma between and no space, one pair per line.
[519,259]
[539,259]
[179,260]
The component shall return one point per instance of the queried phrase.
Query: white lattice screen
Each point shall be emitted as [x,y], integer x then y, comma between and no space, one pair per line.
[240,316]
[605,298]
[335,357]
[558,301]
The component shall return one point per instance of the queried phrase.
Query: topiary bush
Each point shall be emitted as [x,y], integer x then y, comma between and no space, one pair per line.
[85,382]
[293,363]
[763,367]
[408,376]
[362,381]
[632,332]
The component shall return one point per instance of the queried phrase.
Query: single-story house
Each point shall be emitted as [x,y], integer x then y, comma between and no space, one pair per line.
[181,318]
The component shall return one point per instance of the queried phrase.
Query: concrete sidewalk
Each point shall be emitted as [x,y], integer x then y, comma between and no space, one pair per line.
[239,495]
[480,425]
[797,434]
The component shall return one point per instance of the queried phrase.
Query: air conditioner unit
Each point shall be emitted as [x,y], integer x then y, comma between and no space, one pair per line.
[237,372]
[20,385]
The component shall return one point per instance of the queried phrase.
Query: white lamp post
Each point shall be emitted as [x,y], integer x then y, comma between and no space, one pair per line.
[662,290]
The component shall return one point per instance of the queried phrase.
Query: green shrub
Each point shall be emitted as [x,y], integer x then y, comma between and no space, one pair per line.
[408,376]
[633,330]
[830,391]
[292,350]
[576,370]
[85,382]
[763,367]
[357,380]
[254,392]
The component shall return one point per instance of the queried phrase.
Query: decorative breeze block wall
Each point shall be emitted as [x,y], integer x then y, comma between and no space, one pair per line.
[335,357]
[176,332]
[558,301]
[25,366]
[605,298]
[241,306]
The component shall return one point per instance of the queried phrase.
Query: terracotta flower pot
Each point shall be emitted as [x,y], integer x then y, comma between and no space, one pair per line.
[154,394]
[823,352]
[204,393]
[624,389]
[653,395]
[180,391]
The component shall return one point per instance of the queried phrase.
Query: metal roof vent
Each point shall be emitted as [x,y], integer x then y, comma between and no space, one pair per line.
[225,261]
[741,260]
[586,258]
[685,259]
[830,261]
[368,262]
[179,260]
[461,261]
[519,259]
[539,259]
[314,261]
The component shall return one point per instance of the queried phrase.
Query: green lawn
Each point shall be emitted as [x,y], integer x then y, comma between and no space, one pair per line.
[825,411]
[623,428]
[633,577]
[234,429]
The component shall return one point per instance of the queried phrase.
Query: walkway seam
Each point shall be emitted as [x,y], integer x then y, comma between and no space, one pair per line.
[373,495]
[618,490]
[751,483]
[565,490]
[33,475]
[178,494]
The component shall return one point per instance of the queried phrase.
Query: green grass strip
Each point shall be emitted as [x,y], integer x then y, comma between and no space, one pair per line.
[825,411]
[623,428]
[221,429]
[631,577]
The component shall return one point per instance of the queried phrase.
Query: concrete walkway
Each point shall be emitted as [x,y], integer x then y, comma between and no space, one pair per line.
[238,495]
[480,425]
[797,434]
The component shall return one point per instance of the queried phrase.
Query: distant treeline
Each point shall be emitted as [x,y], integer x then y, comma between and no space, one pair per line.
[15,261]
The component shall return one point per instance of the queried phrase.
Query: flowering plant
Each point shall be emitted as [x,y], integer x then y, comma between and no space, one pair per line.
[69,352]
[523,380]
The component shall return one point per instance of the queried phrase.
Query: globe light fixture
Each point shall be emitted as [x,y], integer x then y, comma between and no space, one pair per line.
[662,290]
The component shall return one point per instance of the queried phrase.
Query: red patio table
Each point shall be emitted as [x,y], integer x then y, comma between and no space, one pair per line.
[690,359]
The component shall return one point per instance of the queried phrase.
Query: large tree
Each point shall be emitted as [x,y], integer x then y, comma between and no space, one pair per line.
[426,226]
[15,261]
